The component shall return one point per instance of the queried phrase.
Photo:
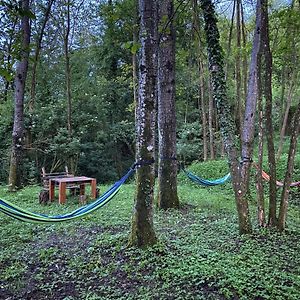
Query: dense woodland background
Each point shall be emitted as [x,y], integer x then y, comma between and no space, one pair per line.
[101,47]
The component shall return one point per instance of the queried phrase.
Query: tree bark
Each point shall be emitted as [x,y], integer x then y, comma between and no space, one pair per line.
[251,101]
[261,218]
[37,55]
[18,127]
[288,175]
[238,68]
[167,169]
[216,67]
[268,111]
[201,99]
[286,114]
[142,231]
[210,122]
[229,40]
[67,28]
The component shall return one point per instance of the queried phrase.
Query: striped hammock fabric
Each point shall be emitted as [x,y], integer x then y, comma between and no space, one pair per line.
[24,215]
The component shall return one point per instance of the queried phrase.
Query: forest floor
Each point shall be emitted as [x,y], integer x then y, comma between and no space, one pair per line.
[200,254]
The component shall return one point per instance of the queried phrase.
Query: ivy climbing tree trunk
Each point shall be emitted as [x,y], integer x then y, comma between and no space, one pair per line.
[216,67]
[142,231]
[20,80]
[167,168]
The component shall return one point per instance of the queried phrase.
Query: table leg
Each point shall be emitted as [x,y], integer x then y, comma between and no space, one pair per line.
[62,193]
[93,188]
[51,190]
[82,189]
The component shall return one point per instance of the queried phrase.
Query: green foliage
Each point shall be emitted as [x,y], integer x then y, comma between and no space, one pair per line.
[189,142]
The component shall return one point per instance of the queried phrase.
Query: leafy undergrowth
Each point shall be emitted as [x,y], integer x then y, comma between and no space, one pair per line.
[199,254]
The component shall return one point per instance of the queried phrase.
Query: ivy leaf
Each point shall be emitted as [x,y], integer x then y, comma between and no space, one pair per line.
[135,48]
[6,74]
[27,13]
[127,45]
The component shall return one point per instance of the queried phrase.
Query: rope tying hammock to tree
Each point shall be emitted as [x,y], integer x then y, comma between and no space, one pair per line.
[266,177]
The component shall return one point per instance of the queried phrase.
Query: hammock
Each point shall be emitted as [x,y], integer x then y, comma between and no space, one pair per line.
[24,215]
[266,177]
[206,182]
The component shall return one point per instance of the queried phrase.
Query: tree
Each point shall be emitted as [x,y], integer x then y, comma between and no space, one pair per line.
[201,99]
[288,176]
[167,168]
[142,232]
[216,67]
[268,110]
[20,80]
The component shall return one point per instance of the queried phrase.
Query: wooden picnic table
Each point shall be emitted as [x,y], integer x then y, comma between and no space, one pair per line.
[62,186]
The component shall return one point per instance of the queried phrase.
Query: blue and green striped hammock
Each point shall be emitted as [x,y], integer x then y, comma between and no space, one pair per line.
[206,182]
[24,215]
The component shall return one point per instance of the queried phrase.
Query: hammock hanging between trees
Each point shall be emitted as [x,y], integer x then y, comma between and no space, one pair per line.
[24,215]
[266,177]
[206,182]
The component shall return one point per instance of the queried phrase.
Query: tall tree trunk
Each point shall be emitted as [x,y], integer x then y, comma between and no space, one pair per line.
[71,158]
[251,101]
[9,58]
[31,103]
[225,117]
[286,114]
[229,40]
[268,110]
[142,231]
[201,99]
[261,218]
[244,55]
[37,55]
[167,169]
[238,68]
[288,175]
[20,80]
[210,122]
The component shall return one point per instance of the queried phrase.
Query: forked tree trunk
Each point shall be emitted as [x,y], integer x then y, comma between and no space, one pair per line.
[142,231]
[288,175]
[225,118]
[20,80]
[167,169]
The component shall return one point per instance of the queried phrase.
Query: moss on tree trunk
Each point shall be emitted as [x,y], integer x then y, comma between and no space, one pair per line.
[142,232]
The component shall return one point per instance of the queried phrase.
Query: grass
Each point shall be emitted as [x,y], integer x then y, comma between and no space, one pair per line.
[199,254]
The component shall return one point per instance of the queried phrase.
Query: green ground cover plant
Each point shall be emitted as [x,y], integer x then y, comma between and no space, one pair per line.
[200,254]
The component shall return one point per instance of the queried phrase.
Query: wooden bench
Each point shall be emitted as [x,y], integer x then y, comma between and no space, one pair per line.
[45,177]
